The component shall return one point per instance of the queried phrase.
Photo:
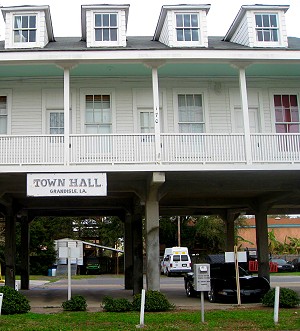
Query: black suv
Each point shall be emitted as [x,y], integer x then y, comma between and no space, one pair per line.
[223,284]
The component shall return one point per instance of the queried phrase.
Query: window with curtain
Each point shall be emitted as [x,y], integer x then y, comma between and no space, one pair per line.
[98,113]
[287,119]
[56,122]
[190,113]
[3,115]
[25,28]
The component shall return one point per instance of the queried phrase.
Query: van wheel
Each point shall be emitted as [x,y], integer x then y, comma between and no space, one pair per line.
[167,273]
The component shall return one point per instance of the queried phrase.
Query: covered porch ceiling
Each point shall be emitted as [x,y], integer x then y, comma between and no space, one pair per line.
[167,69]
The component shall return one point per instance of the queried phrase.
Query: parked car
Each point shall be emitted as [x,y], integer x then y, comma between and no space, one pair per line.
[92,265]
[223,284]
[283,265]
[296,263]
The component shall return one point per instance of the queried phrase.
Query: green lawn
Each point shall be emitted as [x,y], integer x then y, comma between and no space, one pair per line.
[233,319]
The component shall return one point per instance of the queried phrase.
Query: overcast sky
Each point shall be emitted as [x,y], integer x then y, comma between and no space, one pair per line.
[143,14]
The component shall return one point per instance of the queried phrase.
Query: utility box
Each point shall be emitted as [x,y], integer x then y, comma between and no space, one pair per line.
[202,277]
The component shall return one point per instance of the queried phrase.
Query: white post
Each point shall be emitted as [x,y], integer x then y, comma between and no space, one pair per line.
[276,304]
[202,306]
[244,101]
[69,273]
[1,298]
[67,115]
[156,114]
[142,313]
[237,276]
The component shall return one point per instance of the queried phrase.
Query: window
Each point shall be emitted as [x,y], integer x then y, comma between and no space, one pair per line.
[24,28]
[191,114]
[286,113]
[106,27]
[56,122]
[3,115]
[187,27]
[146,121]
[266,27]
[98,114]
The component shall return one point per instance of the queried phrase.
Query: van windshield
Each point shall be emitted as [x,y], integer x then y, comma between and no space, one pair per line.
[184,258]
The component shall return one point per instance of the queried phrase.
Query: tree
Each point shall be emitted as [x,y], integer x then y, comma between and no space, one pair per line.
[204,233]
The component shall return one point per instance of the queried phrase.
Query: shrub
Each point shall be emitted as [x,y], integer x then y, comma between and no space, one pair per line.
[13,302]
[116,305]
[154,301]
[287,298]
[76,303]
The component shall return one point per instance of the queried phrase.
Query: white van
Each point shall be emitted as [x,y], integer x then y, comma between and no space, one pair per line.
[176,260]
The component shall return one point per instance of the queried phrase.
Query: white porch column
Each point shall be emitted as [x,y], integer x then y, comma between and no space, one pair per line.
[244,102]
[156,113]
[67,115]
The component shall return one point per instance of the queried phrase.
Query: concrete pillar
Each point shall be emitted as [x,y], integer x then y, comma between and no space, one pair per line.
[230,240]
[152,232]
[137,234]
[24,254]
[10,248]
[128,252]
[262,241]
[152,254]
[229,218]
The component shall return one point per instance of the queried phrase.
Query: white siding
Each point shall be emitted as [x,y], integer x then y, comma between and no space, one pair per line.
[29,101]
[241,35]
[166,31]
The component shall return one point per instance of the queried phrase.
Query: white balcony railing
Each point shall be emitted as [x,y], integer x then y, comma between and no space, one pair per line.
[24,150]
[203,148]
[140,149]
[275,148]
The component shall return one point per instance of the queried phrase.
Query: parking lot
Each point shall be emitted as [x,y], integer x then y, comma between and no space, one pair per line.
[46,297]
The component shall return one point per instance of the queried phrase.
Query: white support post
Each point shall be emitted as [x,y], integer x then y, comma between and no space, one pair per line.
[69,274]
[67,116]
[244,101]
[156,114]
[1,299]
[142,312]
[276,304]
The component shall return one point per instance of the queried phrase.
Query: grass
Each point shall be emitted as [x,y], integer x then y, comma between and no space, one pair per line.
[233,319]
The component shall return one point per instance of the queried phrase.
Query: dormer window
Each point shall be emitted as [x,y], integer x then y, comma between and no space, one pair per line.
[266,27]
[259,26]
[106,27]
[187,27]
[25,28]
[182,26]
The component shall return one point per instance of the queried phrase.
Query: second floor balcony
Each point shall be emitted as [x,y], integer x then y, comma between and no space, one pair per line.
[113,151]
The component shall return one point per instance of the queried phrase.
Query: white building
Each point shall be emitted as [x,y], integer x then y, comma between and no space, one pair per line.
[179,123]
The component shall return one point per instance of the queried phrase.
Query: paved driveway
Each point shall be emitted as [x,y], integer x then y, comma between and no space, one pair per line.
[48,297]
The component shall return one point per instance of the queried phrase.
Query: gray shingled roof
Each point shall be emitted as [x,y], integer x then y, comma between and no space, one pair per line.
[142,43]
